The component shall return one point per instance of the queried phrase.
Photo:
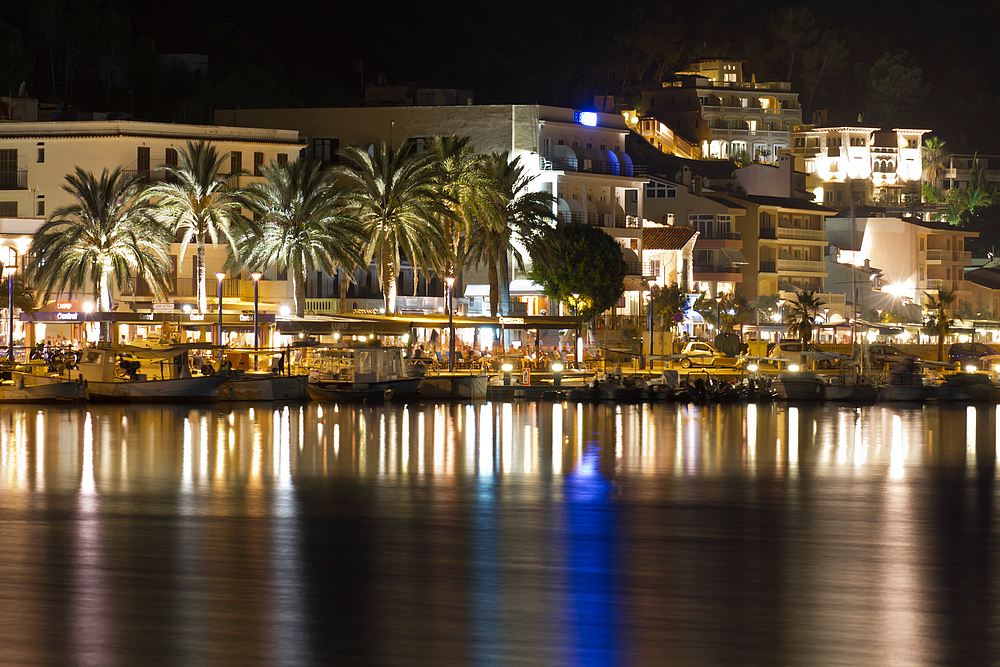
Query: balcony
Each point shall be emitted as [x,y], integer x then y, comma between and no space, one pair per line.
[768,267]
[644,269]
[801,266]
[232,288]
[728,273]
[716,235]
[799,233]
[767,233]
[627,222]
[16,179]
[148,176]
[936,255]
[592,167]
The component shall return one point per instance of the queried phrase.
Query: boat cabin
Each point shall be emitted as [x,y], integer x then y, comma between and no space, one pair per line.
[134,363]
[355,364]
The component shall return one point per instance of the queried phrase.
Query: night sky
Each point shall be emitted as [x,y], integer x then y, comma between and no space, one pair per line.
[313,53]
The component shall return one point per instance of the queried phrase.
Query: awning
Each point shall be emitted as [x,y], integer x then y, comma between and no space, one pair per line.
[477,291]
[735,256]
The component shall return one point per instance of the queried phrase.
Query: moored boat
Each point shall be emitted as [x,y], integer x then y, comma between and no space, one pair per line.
[967,388]
[851,388]
[146,373]
[444,385]
[800,386]
[343,373]
[254,386]
[15,390]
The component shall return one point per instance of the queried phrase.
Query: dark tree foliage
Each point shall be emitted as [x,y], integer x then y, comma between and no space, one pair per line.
[575,257]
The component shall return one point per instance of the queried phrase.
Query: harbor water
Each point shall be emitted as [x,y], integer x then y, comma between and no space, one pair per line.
[499,533]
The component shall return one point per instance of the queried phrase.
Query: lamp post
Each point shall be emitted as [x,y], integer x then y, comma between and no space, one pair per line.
[220,275]
[451,325]
[576,340]
[256,275]
[88,307]
[649,323]
[10,268]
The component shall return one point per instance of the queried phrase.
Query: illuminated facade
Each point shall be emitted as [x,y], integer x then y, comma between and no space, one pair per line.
[861,164]
[712,111]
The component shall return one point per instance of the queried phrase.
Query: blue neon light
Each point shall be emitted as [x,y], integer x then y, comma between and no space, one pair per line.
[588,118]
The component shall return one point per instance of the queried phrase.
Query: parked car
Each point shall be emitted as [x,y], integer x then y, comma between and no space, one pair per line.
[889,355]
[698,353]
[795,352]
[973,354]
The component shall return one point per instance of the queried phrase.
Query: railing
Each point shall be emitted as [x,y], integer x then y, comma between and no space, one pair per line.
[767,233]
[934,254]
[14,180]
[708,268]
[801,265]
[768,267]
[801,233]
[595,219]
[232,288]
[147,176]
[644,269]
[591,166]
[716,235]
[566,217]
[627,222]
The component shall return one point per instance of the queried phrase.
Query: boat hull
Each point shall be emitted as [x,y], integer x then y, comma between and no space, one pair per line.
[801,386]
[267,388]
[444,386]
[328,390]
[54,392]
[200,388]
[851,393]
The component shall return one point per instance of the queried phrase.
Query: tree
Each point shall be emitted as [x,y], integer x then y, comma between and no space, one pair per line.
[394,195]
[199,204]
[939,322]
[667,303]
[935,159]
[802,313]
[103,239]
[522,214]
[821,62]
[895,85]
[577,258]
[469,193]
[301,225]
[24,297]
[793,30]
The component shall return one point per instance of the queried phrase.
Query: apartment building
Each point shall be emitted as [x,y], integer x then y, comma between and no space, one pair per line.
[865,165]
[35,158]
[578,157]
[713,111]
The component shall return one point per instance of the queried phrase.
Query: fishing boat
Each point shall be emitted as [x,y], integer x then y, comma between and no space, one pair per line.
[967,388]
[454,384]
[146,372]
[342,373]
[851,388]
[906,384]
[800,386]
[261,386]
[13,389]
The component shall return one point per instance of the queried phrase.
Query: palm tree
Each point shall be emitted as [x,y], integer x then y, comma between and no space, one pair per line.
[939,321]
[101,240]
[394,195]
[469,192]
[301,225]
[935,159]
[199,203]
[523,215]
[802,314]
[24,296]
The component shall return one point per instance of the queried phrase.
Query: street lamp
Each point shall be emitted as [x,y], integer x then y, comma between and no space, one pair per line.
[220,275]
[10,268]
[256,275]
[451,325]
[576,341]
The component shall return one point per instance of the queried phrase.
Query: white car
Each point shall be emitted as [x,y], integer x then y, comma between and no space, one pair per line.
[698,353]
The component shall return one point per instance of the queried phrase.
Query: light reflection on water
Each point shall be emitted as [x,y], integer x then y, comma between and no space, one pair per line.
[497,533]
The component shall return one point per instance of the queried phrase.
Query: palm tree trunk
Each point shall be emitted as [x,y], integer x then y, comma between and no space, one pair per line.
[504,285]
[494,287]
[388,270]
[200,277]
[343,289]
[299,290]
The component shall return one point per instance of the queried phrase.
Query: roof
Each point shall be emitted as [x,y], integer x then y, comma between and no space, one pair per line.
[941,227]
[725,202]
[989,278]
[666,238]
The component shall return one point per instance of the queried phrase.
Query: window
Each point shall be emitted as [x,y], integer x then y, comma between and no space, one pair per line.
[658,190]
[41,154]
[8,209]
[142,158]
[40,207]
[170,157]
[235,162]
[258,162]
[282,158]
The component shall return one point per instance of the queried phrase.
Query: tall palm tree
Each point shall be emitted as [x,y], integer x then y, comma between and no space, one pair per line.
[394,195]
[106,236]
[301,225]
[523,217]
[939,305]
[802,314]
[470,193]
[935,159]
[199,203]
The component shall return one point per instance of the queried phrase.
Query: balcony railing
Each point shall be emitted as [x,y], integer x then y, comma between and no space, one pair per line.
[709,268]
[147,176]
[801,233]
[627,222]
[801,265]
[232,288]
[934,254]
[644,269]
[592,166]
[768,267]
[716,235]
[14,179]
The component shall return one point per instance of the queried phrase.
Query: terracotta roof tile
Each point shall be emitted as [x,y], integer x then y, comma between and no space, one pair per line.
[666,238]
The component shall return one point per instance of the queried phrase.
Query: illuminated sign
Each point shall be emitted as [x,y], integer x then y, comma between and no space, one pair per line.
[64,305]
[146,316]
[366,311]
[246,318]
[511,320]
[200,317]
[588,118]
[67,316]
